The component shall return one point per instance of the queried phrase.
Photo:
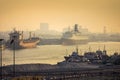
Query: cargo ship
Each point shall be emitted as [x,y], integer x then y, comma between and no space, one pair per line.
[74,37]
[16,41]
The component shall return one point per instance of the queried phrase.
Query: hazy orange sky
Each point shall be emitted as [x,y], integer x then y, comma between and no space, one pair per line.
[91,14]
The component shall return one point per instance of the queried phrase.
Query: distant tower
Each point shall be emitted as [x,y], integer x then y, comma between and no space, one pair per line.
[44,27]
[104,30]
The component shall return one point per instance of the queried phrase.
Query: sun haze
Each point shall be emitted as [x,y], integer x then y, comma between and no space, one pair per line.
[59,14]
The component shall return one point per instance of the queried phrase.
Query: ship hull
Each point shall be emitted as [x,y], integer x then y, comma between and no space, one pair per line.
[29,44]
[22,45]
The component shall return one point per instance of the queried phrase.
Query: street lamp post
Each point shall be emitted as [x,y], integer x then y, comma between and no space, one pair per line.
[14,58]
[1,43]
[13,44]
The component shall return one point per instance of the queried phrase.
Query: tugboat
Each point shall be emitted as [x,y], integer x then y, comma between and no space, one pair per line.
[74,37]
[16,41]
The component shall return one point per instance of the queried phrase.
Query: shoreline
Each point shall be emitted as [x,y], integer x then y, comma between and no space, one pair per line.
[48,71]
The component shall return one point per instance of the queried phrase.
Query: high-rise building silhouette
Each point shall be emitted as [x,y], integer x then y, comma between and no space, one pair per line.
[44,27]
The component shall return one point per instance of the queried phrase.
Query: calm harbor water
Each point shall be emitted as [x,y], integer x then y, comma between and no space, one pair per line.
[54,53]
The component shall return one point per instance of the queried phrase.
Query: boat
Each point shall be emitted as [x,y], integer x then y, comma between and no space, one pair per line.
[74,37]
[16,41]
[99,56]
[89,57]
[74,58]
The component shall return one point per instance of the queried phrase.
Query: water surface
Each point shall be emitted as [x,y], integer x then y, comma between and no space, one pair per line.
[54,53]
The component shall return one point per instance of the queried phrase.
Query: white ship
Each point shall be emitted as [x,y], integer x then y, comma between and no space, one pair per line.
[74,37]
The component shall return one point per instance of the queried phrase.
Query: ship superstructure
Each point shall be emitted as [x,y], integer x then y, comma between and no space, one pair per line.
[74,36]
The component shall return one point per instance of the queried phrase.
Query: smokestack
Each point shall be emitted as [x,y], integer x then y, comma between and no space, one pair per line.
[76,28]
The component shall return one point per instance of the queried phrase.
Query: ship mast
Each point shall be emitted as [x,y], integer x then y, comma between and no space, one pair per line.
[14,29]
[34,34]
[29,35]
[89,48]
[77,49]
[22,36]
[66,52]
[104,51]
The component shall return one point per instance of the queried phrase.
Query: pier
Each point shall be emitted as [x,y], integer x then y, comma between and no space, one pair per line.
[68,74]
